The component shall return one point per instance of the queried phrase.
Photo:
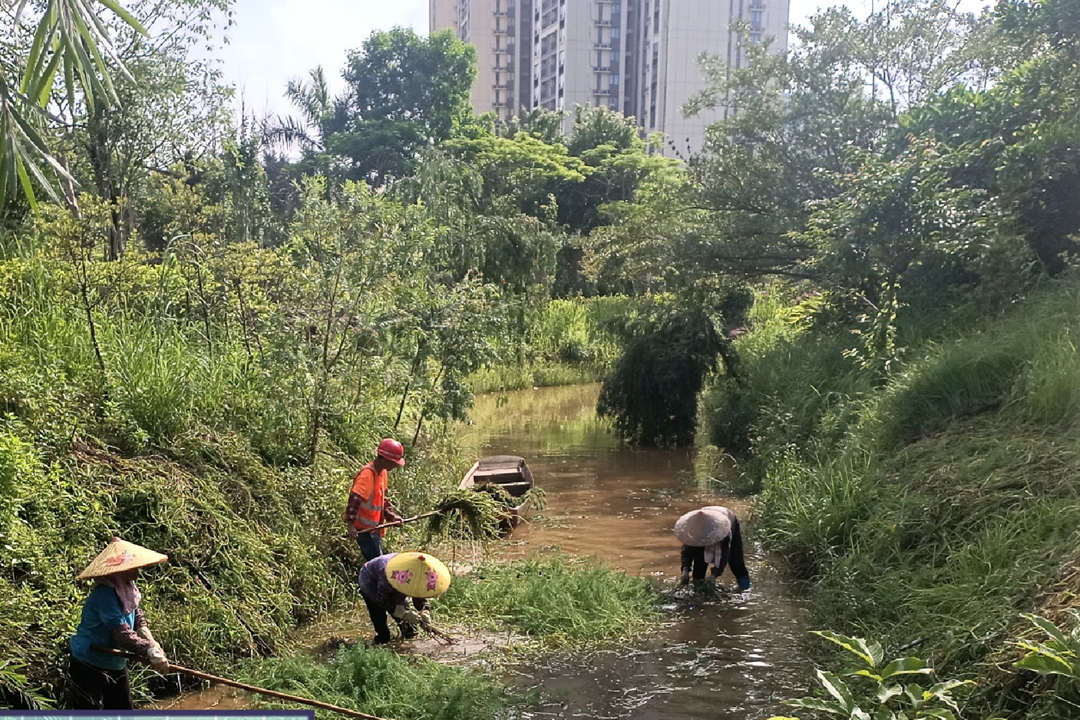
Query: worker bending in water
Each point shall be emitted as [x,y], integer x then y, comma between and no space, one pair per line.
[388,582]
[710,535]
[368,506]
[112,619]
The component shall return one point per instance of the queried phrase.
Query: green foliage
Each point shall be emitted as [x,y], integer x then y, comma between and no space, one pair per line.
[382,683]
[557,600]
[651,393]
[403,93]
[890,693]
[212,402]
[1058,654]
[669,348]
[467,514]
[68,36]
[941,499]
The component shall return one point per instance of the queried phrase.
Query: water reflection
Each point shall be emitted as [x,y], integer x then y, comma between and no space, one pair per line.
[735,656]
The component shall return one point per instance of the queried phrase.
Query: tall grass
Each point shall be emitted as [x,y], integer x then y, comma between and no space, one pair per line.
[937,505]
[382,683]
[557,600]
[195,448]
[569,343]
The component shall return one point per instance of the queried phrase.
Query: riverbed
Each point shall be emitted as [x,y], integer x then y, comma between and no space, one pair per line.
[735,656]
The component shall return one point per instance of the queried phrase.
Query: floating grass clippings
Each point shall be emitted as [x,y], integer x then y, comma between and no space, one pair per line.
[380,682]
[558,600]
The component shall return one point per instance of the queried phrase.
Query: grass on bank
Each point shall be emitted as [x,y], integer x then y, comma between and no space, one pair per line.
[193,447]
[570,344]
[938,505]
[380,682]
[558,600]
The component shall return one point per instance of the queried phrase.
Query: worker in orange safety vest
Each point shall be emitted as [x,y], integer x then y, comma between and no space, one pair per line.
[368,506]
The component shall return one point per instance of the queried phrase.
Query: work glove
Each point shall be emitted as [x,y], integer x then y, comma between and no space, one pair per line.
[406,615]
[425,617]
[156,657]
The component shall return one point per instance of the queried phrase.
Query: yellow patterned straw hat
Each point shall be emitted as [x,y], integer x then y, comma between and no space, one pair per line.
[704,526]
[118,556]
[417,575]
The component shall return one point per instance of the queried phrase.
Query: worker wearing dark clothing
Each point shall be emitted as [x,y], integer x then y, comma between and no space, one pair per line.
[381,599]
[711,535]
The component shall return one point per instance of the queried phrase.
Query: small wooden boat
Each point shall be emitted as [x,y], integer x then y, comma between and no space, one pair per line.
[508,472]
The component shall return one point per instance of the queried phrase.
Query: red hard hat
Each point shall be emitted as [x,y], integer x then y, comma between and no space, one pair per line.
[392,450]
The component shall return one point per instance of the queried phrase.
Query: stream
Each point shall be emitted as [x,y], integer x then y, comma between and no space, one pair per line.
[734,657]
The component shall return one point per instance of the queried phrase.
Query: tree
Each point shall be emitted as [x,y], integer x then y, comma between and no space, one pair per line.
[1021,135]
[68,38]
[403,94]
[616,164]
[173,110]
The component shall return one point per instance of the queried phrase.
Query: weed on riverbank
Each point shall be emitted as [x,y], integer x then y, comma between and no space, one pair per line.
[935,506]
[557,600]
[380,682]
[570,344]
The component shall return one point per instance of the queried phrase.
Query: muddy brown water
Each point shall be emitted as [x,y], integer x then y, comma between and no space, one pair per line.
[735,655]
[731,655]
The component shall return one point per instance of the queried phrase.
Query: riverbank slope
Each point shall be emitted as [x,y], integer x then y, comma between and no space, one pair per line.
[935,503]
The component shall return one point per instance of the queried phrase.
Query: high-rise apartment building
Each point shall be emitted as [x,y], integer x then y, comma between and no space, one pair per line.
[501,30]
[673,36]
[636,56]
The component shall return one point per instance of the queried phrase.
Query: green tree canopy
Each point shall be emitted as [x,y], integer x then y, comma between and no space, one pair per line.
[403,93]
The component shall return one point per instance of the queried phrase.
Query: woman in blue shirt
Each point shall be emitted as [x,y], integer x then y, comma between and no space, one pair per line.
[111,618]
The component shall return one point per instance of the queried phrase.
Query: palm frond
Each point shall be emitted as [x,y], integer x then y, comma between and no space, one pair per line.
[286,131]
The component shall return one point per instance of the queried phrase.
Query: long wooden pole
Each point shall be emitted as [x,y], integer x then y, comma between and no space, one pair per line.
[272,693]
[405,520]
[250,688]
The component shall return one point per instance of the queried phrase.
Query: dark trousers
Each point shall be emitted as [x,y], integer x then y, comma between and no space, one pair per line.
[99,689]
[379,620]
[370,544]
[693,557]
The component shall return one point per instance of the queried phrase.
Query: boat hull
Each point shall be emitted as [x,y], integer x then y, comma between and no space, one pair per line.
[509,472]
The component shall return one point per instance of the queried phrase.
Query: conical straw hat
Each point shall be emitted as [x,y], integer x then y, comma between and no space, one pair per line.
[704,526]
[417,575]
[118,556]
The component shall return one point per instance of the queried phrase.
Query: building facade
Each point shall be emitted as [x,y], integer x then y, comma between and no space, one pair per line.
[639,57]
[674,34]
[501,32]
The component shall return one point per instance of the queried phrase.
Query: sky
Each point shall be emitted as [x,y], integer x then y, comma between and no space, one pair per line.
[273,41]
